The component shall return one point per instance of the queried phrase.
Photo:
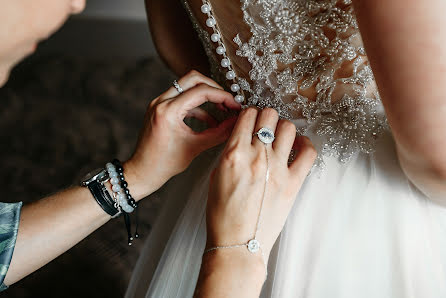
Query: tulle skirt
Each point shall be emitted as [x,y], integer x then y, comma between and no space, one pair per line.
[359,229]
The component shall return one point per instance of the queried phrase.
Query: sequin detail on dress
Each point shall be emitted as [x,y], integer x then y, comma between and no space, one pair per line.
[306,47]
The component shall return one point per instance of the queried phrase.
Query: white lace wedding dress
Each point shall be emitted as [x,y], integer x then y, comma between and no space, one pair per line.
[359,228]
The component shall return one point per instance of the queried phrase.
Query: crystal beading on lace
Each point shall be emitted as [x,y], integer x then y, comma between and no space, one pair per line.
[300,47]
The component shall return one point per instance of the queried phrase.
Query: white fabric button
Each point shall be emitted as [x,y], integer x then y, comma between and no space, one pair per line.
[220,50]
[239,98]
[215,37]
[210,22]
[205,8]
[235,87]
[230,75]
[225,62]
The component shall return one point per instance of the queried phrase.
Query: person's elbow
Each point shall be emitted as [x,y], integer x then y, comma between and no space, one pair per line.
[428,176]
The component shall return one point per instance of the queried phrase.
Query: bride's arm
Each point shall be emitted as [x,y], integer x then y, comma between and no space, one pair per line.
[175,38]
[237,204]
[406,44]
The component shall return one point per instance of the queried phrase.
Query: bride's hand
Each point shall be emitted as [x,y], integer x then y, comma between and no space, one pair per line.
[237,185]
[235,198]
[166,144]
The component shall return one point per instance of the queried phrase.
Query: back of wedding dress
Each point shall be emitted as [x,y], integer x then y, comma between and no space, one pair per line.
[305,59]
[359,228]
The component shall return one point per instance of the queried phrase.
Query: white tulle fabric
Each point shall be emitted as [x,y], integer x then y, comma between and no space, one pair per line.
[356,230]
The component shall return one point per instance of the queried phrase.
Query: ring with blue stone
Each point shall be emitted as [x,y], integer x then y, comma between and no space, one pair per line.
[265,135]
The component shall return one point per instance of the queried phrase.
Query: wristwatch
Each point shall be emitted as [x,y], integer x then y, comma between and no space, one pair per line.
[94,181]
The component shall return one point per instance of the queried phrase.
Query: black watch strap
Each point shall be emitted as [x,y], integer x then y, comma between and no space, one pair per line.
[103,198]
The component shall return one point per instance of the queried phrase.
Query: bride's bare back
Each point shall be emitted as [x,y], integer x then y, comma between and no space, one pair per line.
[173,31]
[316,33]
[305,58]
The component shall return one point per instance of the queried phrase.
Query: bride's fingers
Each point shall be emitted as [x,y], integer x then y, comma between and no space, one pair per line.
[202,115]
[304,159]
[244,127]
[190,80]
[268,118]
[285,136]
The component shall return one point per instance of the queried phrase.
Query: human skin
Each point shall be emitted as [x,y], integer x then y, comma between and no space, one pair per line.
[406,46]
[25,23]
[54,224]
[235,199]
[408,57]
[166,146]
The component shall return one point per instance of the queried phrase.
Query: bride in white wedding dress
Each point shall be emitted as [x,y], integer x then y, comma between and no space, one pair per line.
[360,227]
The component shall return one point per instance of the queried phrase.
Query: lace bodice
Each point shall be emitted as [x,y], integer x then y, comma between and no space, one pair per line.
[307,61]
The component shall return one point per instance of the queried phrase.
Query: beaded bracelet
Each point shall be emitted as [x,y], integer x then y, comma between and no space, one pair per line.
[118,191]
[124,185]
[122,195]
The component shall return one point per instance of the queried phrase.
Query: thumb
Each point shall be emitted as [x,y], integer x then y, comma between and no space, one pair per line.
[215,136]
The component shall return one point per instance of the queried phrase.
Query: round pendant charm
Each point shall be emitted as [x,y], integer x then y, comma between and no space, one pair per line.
[265,135]
[253,246]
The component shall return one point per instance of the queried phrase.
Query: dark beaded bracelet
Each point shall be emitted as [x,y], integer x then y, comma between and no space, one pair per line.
[130,199]
[124,184]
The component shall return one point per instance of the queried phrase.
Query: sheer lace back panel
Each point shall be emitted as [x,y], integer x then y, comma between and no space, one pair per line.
[305,58]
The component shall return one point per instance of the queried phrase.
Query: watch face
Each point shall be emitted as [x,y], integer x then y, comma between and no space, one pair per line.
[97,174]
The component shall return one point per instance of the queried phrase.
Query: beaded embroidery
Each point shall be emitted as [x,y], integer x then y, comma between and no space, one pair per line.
[305,45]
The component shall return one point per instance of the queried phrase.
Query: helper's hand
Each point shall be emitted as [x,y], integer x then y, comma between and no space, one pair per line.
[167,145]
[237,186]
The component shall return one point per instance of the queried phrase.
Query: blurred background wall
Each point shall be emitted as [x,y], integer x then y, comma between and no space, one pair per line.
[107,28]
[116,9]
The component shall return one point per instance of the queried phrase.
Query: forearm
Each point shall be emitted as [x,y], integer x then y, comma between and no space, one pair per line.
[230,273]
[50,227]
[407,52]
[53,225]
